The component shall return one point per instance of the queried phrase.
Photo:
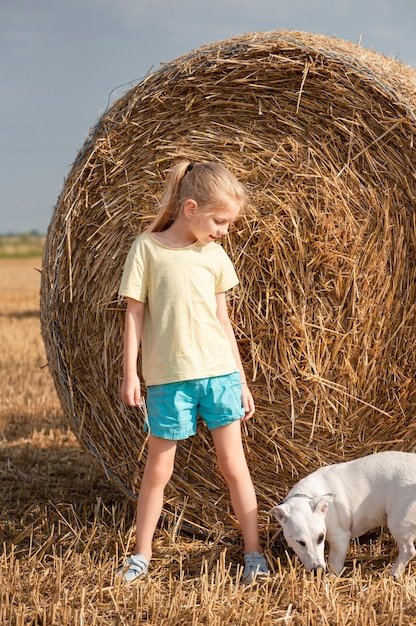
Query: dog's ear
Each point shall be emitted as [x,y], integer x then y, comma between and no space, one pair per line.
[320,503]
[279,513]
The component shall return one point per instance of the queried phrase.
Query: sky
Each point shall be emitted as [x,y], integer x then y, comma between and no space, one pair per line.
[62,62]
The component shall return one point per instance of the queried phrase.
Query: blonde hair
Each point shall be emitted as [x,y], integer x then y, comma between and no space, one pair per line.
[206,183]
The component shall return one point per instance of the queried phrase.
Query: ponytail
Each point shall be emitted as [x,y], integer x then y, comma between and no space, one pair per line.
[169,206]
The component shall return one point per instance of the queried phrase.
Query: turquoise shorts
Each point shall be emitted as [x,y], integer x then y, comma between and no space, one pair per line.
[173,408]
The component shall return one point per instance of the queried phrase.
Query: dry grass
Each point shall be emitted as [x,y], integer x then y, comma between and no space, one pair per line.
[65,529]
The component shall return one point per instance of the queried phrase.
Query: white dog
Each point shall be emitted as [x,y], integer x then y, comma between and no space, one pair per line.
[342,501]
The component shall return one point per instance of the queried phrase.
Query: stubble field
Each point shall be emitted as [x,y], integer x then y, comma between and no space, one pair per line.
[65,529]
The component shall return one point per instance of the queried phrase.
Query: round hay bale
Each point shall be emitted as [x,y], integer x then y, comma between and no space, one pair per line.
[322,133]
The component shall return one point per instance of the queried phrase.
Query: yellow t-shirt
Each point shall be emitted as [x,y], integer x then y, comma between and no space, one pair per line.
[182,338]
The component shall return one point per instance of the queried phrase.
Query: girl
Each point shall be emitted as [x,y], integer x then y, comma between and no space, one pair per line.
[175,279]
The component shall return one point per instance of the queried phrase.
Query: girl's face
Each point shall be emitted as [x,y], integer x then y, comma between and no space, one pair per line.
[213,224]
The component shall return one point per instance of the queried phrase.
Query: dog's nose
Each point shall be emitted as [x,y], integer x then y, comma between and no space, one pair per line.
[316,567]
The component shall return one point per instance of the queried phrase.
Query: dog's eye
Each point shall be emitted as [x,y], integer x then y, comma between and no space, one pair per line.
[302,543]
[321,538]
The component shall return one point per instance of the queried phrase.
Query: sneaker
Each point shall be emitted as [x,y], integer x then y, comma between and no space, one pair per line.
[255,568]
[134,567]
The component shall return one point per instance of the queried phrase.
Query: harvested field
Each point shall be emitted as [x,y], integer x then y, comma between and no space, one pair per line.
[65,528]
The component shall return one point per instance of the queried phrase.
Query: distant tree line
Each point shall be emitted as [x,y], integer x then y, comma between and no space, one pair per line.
[25,245]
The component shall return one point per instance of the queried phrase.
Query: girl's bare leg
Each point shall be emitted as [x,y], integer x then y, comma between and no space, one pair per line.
[157,473]
[233,465]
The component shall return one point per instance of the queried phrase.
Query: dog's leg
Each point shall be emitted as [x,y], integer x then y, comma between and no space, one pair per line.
[406,552]
[401,525]
[338,547]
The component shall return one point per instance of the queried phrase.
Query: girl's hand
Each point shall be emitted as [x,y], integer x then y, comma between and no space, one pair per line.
[131,392]
[248,402]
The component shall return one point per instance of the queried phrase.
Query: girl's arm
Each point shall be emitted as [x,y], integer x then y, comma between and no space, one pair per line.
[222,314]
[130,387]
